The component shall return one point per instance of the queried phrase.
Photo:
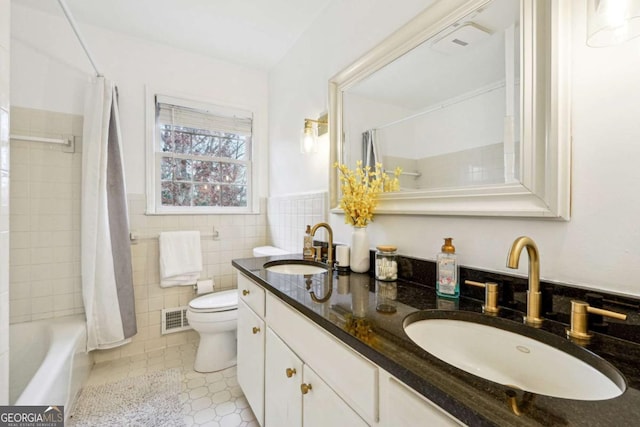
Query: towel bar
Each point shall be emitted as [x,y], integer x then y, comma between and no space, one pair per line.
[135,236]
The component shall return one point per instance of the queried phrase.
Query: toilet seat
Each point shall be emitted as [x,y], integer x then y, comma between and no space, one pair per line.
[215,302]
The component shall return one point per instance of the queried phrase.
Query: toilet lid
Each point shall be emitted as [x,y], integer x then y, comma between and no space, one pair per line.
[215,301]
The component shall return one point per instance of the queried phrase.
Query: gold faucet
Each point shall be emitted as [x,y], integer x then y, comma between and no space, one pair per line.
[330,233]
[534,295]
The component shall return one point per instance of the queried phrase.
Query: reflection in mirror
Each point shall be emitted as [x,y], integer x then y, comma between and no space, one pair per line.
[448,111]
[471,100]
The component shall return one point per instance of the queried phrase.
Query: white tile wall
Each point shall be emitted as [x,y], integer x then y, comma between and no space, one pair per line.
[5,6]
[238,235]
[475,166]
[289,215]
[45,238]
[45,217]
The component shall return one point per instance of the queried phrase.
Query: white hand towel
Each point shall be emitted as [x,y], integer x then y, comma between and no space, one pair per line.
[181,280]
[180,255]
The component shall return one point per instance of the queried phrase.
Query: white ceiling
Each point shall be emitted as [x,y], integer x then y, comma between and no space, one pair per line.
[256,33]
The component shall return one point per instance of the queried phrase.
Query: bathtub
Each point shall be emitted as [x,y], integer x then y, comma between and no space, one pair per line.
[48,361]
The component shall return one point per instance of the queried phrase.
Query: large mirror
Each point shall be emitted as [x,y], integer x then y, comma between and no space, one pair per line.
[470,99]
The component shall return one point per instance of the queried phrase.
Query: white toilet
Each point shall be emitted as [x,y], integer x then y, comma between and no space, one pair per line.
[215,317]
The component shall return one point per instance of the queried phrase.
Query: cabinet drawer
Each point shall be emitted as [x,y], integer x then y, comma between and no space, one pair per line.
[251,294]
[354,378]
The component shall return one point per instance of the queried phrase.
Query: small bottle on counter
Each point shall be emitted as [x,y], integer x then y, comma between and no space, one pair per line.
[307,247]
[447,271]
[386,263]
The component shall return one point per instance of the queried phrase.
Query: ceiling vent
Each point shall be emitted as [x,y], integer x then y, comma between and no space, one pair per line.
[461,38]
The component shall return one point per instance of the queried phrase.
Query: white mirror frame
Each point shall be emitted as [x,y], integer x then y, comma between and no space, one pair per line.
[544,190]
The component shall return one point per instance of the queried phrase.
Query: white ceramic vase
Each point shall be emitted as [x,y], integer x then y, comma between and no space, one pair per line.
[359,250]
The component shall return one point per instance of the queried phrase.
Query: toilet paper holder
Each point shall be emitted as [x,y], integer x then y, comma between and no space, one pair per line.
[202,281]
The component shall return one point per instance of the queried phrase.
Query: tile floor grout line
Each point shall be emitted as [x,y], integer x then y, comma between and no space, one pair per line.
[208,399]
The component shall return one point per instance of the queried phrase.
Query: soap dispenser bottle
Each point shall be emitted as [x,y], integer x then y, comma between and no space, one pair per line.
[447,271]
[307,247]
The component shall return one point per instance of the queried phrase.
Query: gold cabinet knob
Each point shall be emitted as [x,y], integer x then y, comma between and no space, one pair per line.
[255,329]
[305,388]
[290,372]
[579,318]
[245,292]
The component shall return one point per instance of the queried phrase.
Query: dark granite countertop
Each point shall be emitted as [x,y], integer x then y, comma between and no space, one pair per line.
[351,316]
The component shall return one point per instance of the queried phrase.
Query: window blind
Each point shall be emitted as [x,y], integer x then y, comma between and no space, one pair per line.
[211,118]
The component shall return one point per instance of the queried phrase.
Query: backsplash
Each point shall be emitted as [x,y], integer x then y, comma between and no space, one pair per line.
[289,215]
[556,297]
[45,217]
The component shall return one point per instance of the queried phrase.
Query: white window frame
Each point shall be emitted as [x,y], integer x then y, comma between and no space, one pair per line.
[153,183]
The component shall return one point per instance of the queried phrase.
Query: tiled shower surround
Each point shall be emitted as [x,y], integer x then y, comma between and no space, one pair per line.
[474,166]
[45,217]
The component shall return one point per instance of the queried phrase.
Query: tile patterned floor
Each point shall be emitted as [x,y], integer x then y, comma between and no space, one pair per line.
[212,400]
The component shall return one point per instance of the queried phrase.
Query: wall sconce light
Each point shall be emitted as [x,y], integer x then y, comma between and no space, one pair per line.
[612,22]
[312,130]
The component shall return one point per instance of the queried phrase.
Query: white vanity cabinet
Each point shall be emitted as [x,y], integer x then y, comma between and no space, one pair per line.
[251,344]
[353,378]
[401,406]
[296,396]
[294,373]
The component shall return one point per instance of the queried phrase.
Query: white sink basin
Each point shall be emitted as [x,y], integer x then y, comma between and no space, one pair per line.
[295,267]
[540,363]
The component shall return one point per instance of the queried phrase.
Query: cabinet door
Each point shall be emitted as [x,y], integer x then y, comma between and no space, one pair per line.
[251,358]
[353,377]
[322,407]
[283,376]
[402,407]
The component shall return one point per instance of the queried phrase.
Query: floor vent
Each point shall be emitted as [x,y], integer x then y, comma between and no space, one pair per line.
[174,320]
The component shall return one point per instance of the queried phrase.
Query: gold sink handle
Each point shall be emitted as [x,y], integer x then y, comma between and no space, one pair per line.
[490,296]
[579,318]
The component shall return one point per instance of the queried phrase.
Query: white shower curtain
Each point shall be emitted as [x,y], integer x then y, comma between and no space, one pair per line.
[107,284]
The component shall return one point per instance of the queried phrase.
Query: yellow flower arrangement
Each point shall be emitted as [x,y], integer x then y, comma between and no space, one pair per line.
[360,190]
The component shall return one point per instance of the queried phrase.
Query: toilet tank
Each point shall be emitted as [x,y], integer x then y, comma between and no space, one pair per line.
[268,251]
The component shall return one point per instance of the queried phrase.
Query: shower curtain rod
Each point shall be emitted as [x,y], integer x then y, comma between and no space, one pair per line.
[72,22]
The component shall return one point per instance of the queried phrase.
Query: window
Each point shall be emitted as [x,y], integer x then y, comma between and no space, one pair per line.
[201,158]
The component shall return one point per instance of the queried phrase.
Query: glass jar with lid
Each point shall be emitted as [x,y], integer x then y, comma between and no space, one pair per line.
[386,263]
